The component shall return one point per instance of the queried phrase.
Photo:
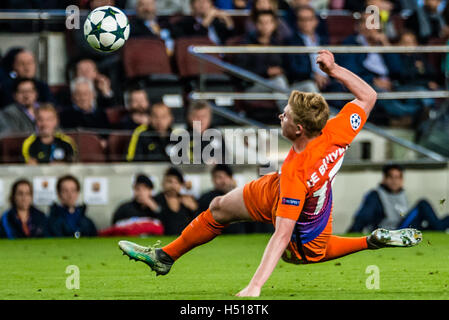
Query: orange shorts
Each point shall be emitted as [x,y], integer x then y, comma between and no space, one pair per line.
[261,198]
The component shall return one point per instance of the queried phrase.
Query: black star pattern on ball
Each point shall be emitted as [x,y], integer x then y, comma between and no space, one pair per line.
[96,30]
[119,33]
[109,12]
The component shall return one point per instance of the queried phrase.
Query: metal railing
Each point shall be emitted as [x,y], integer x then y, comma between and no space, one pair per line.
[58,14]
[202,53]
[314,49]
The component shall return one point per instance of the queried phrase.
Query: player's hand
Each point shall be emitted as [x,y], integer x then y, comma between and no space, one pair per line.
[249,291]
[326,61]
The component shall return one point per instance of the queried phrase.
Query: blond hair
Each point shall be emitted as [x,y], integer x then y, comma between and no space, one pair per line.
[310,110]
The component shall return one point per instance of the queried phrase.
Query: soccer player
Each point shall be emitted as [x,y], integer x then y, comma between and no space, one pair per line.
[298,200]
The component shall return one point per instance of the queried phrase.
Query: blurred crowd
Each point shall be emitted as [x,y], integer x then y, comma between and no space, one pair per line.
[100,97]
[165,213]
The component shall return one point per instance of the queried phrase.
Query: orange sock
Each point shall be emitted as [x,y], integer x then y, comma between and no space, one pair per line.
[340,246]
[201,230]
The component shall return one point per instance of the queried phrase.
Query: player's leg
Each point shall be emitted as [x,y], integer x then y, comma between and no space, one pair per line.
[341,246]
[380,238]
[210,223]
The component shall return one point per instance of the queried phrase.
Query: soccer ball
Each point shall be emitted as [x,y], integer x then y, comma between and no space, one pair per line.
[106,29]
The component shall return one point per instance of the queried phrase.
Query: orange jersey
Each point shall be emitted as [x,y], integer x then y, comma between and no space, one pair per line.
[306,178]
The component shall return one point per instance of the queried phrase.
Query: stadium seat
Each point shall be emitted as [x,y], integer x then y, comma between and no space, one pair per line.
[340,27]
[190,68]
[147,59]
[115,115]
[11,149]
[263,111]
[145,56]
[118,146]
[89,147]
[188,65]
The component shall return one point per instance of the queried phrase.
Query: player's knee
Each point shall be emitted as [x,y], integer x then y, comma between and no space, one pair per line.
[215,204]
[216,208]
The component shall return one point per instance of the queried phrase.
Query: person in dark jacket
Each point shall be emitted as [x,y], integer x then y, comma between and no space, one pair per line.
[283,31]
[206,20]
[266,65]
[427,22]
[20,63]
[302,71]
[177,209]
[138,106]
[148,24]
[377,69]
[19,117]
[387,207]
[222,179]
[84,113]
[23,220]
[142,204]
[67,219]
[152,142]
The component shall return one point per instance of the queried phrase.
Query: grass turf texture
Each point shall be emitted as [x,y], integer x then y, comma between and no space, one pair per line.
[35,269]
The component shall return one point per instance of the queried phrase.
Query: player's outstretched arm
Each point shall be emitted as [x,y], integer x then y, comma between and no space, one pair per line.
[273,252]
[365,95]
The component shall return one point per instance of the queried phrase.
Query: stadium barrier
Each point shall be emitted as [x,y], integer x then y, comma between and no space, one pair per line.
[105,186]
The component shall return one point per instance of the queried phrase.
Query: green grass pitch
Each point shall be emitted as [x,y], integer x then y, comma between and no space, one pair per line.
[36,269]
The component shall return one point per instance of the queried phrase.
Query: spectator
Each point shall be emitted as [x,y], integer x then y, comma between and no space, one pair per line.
[305,74]
[67,219]
[269,66]
[283,31]
[385,13]
[177,209]
[207,21]
[48,145]
[417,75]
[138,107]
[152,142]
[148,24]
[84,112]
[292,20]
[23,220]
[142,204]
[106,97]
[222,179]
[199,119]
[387,207]
[427,22]
[19,117]
[379,70]
[20,63]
